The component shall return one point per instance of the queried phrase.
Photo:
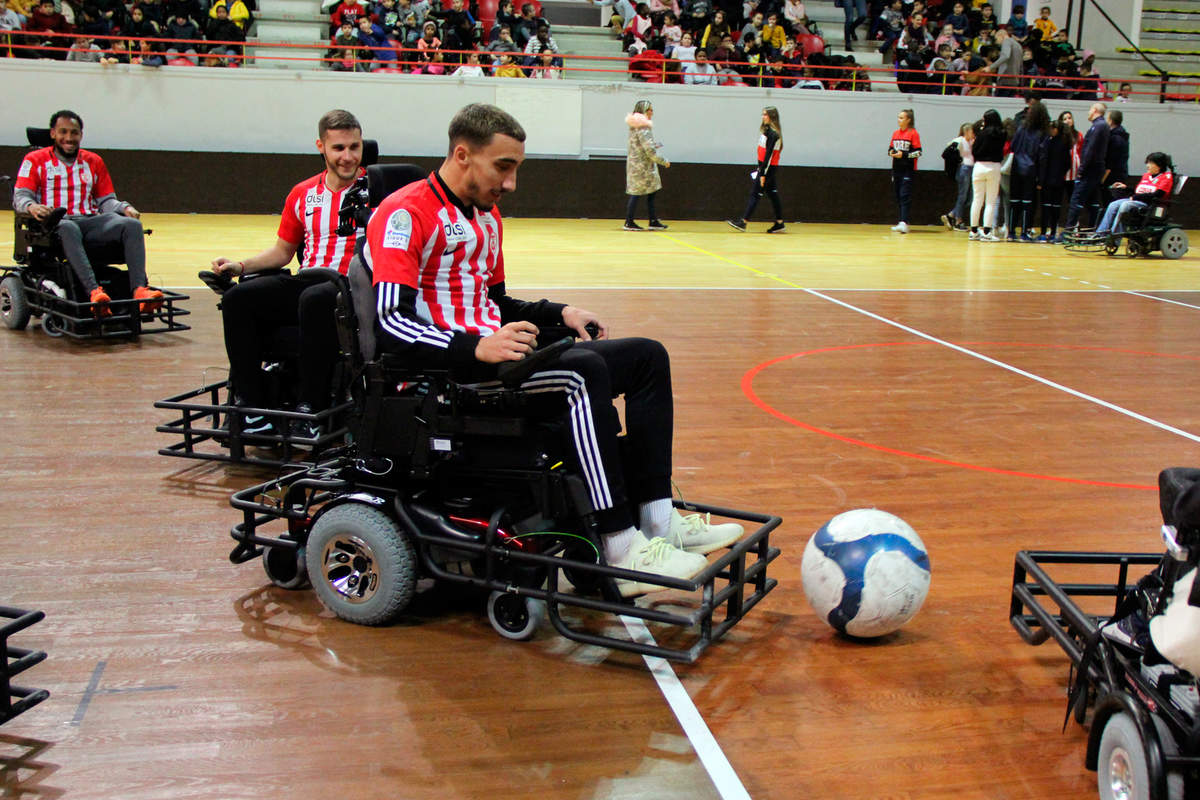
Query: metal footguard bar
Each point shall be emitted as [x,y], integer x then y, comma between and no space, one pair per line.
[15,700]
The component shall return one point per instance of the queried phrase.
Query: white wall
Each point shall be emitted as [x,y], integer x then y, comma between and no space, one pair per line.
[269,111]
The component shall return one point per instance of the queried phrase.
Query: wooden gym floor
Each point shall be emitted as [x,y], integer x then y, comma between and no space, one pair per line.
[996,396]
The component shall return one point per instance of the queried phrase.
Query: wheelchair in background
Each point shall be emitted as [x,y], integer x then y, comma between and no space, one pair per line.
[1144,231]
[41,284]
[466,486]
[210,425]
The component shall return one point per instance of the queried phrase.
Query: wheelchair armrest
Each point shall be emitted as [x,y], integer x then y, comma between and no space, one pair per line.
[218,283]
[513,373]
[314,275]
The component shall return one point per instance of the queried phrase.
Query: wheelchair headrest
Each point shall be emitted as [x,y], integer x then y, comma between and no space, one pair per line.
[383,179]
[1180,180]
[370,153]
[38,137]
[362,292]
[1179,498]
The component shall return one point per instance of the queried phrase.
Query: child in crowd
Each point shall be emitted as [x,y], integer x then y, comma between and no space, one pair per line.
[958,20]
[471,68]
[891,25]
[1046,25]
[1018,26]
[672,33]
[946,37]
[507,68]
[545,68]
[685,51]
[773,34]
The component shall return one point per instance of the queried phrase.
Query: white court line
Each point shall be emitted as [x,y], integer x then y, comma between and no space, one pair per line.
[1163,300]
[1023,373]
[726,781]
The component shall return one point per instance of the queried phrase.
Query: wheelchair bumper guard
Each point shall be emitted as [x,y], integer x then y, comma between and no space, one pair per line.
[1042,608]
[735,582]
[15,700]
[204,418]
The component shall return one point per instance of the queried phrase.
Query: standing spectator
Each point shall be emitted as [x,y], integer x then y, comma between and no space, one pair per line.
[1116,162]
[957,218]
[904,150]
[1091,168]
[855,12]
[641,166]
[1028,145]
[763,179]
[700,72]
[1008,65]
[185,31]
[988,149]
[222,29]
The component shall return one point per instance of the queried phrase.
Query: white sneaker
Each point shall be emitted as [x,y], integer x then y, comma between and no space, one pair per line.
[988,237]
[974,236]
[900,227]
[695,533]
[1001,232]
[658,557]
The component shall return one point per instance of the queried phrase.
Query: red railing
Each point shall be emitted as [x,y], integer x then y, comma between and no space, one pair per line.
[643,67]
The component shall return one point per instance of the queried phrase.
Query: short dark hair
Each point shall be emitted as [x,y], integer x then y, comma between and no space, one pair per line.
[337,120]
[57,115]
[1116,116]
[477,123]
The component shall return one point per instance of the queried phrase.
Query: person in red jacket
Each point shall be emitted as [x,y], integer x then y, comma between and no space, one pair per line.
[45,19]
[904,149]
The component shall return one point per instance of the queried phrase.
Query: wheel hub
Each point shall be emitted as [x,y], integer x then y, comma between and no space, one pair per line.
[1120,773]
[349,566]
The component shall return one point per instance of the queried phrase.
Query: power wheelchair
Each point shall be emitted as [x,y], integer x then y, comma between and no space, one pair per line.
[1144,740]
[445,481]
[1144,231]
[210,425]
[42,284]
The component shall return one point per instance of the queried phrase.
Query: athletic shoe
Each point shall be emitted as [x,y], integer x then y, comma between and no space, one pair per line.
[778,227]
[988,237]
[1132,631]
[948,222]
[657,557]
[630,225]
[962,227]
[101,298]
[1059,239]
[900,227]
[656,225]
[974,236]
[1043,239]
[258,425]
[153,298]
[1002,232]
[737,224]
[304,429]
[1027,239]
[695,533]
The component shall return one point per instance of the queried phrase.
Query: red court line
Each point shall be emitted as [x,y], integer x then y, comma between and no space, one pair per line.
[752,373]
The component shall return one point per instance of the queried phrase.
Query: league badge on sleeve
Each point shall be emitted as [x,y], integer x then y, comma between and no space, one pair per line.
[399,230]
[26,169]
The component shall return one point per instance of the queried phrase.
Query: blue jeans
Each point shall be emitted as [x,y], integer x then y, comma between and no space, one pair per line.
[962,203]
[1112,215]
[856,13]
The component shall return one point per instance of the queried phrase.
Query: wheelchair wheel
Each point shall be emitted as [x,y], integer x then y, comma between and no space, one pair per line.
[515,617]
[286,568]
[1121,770]
[14,306]
[1111,246]
[361,564]
[1174,243]
[1134,247]
[52,326]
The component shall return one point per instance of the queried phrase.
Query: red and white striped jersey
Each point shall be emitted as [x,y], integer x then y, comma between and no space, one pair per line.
[420,239]
[310,218]
[57,184]
[1162,182]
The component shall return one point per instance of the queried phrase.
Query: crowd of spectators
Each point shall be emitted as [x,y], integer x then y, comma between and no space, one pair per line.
[147,32]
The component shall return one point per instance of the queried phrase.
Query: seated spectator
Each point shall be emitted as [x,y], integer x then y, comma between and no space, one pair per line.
[753,28]
[715,30]
[672,33]
[1029,66]
[751,59]
[1018,26]
[695,19]
[659,9]
[152,10]
[860,78]
[222,30]
[941,79]
[960,23]
[685,51]
[118,53]
[236,10]
[148,55]
[408,32]
[775,74]
[793,13]
[545,68]
[507,68]
[700,72]
[808,80]
[113,12]
[45,20]
[507,15]
[344,48]
[372,37]
[92,23]
[1060,46]
[987,20]
[915,35]
[427,45]
[773,34]
[945,37]
[639,33]
[188,8]
[458,27]
[182,28]
[138,26]
[470,68]
[346,11]
[527,25]
[84,49]
[503,44]
[891,25]
[10,20]
[725,53]
[1045,25]
[1124,92]
[542,42]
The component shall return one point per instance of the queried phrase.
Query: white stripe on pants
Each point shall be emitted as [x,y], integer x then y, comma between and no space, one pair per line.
[985,182]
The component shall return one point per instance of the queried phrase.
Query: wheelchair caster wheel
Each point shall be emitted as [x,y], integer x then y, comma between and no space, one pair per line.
[1134,248]
[515,617]
[1110,247]
[52,326]
[285,568]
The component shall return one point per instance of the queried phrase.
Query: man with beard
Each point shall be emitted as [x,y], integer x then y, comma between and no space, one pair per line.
[74,186]
[252,309]
[436,255]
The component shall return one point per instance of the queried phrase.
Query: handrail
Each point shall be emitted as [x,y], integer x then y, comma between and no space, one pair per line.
[855,77]
[1162,73]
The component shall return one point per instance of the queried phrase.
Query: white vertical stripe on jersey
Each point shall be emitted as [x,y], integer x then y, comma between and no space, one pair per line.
[423,310]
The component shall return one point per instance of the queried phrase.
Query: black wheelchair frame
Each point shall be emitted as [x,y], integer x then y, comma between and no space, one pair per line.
[15,700]
[1143,235]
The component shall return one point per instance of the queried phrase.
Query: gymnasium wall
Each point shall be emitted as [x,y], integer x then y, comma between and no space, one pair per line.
[182,139]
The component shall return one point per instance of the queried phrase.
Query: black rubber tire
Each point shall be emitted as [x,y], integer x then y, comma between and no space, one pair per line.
[14,305]
[286,568]
[1121,770]
[1133,247]
[51,326]
[1111,246]
[1173,243]
[515,617]
[362,564]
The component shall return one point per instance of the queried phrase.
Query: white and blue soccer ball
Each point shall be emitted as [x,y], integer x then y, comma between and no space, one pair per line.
[866,572]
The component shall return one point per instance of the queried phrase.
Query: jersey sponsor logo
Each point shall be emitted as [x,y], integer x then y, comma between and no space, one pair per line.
[456,233]
[26,169]
[901,145]
[399,230]
[314,200]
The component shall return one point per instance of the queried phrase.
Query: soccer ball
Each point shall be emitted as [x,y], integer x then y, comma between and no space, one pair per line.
[865,572]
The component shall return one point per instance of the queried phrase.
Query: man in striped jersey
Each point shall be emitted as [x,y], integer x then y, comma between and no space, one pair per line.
[435,252]
[252,310]
[65,176]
